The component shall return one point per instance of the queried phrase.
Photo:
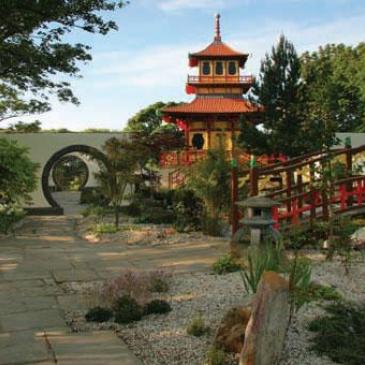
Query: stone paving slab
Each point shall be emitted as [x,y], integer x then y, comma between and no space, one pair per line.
[94,348]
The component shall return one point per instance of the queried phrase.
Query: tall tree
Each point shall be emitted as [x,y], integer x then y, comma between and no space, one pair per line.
[278,90]
[334,79]
[34,52]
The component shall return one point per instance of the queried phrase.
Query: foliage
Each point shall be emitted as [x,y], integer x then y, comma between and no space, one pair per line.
[197,327]
[333,78]
[21,127]
[9,215]
[17,173]
[157,306]
[117,172]
[93,196]
[156,215]
[300,272]
[340,334]
[279,92]
[209,179]
[98,211]
[216,356]
[188,210]
[226,264]
[267,258]
[34,48]
[127,310]
[99,314]
[102,228]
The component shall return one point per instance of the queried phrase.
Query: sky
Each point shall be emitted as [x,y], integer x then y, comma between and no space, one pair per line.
[146,60]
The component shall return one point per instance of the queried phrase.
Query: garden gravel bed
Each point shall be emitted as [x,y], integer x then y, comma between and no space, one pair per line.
[162,339]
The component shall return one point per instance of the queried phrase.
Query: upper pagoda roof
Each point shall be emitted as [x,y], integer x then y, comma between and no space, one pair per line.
[218,49]
[213,106]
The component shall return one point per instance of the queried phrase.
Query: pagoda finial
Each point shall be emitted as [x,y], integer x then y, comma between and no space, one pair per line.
[217,37]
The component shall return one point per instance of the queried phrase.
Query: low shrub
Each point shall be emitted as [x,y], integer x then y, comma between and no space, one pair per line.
[127,310]
[97,211]
[212,226]
[157,307]
[197,327]
[102,228]
[98,314]
[216,356]
[9,216]
[93,196]
[159,281]
[226,264]
[340,334]
[156,215]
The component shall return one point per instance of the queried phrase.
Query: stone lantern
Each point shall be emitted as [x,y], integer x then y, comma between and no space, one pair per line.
[258,218]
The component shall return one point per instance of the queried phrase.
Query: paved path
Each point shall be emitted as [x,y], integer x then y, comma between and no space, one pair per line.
[47,254]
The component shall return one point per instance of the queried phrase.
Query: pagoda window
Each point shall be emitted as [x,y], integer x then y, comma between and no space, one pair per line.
[232,68]
[219,68]
[206,68]
[198,141]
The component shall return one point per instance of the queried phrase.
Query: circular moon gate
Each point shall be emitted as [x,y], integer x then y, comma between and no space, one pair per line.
[95,153]
[70,173]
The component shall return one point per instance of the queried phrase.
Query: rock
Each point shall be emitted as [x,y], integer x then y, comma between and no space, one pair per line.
[358,238]
[266,331]
[231,332]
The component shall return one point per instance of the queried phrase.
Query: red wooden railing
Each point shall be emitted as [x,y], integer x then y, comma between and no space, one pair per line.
[306,200]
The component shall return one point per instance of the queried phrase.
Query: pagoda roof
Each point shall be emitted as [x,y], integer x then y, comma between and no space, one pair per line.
[214,106]
[218,49]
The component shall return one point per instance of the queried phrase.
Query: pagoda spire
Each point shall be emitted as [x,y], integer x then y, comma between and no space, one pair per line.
[218,37]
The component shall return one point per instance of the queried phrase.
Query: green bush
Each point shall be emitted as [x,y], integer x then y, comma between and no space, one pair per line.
[159,284]
[98,211]
[93,196]
[9,215]
[188,211]
[127,310]
[197,327]
[102,228]
[216,356]
[226,264]
[157,307]
[98,314]
[156,215]
[340,334]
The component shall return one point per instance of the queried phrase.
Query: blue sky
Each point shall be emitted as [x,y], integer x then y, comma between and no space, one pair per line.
[146,60]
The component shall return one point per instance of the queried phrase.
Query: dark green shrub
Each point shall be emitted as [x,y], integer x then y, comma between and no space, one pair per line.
[212,226]
[98,314]
[197,327]
[340,334]
[226,264]
[159,285]
[93,196]
[127,310]
[188,211]
[156,215]
[157,307]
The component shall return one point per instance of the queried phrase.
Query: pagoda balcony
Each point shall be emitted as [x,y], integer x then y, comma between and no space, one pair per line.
[224,79]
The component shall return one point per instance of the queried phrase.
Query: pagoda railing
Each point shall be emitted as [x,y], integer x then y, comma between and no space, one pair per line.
[248,79]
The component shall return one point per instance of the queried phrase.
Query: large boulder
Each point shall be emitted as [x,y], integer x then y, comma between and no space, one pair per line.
[231,332]
[267,327]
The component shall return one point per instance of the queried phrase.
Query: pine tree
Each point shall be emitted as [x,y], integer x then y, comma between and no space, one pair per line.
[278,90]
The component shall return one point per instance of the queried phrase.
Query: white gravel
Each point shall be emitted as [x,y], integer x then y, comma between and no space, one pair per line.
[162,339]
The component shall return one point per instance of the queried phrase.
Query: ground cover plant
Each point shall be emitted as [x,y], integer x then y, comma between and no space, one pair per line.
[340,333]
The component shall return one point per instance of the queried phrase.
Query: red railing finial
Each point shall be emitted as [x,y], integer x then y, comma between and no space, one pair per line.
[217,37]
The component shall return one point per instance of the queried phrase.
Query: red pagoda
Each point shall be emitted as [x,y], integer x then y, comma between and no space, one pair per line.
[212,118]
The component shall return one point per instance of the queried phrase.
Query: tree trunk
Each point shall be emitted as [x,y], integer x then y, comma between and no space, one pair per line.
[116,212]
